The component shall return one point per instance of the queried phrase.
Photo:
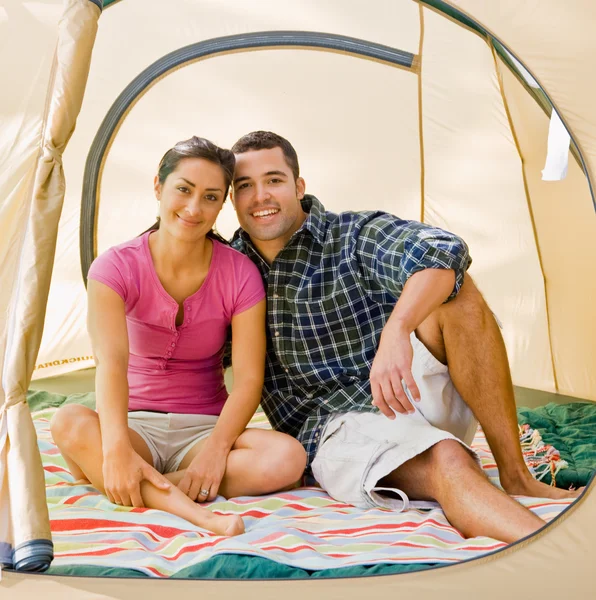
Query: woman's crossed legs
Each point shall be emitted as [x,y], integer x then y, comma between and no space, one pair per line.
[260,462]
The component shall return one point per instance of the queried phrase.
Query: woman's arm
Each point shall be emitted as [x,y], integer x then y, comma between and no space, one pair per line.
[123,469]
[106,322]
[248,367]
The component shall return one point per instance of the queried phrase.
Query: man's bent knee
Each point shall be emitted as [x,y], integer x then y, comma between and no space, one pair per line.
[450,455]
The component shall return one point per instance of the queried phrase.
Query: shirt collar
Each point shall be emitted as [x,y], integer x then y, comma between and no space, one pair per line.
[317,217]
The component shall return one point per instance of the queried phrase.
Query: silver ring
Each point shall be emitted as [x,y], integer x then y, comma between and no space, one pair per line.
[204,493]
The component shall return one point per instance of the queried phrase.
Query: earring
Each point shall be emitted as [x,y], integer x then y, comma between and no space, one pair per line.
[157,216]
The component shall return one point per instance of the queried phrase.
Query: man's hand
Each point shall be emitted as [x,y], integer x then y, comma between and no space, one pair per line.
[122,475]
[391,366]
[204,474]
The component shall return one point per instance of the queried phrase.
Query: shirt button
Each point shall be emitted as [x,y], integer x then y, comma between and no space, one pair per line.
[276,296]
[277,334]
[287,370]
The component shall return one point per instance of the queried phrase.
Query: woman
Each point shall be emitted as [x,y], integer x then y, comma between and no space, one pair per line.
[159,309]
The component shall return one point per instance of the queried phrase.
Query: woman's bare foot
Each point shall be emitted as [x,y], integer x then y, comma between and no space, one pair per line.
[228,525]
[528,486]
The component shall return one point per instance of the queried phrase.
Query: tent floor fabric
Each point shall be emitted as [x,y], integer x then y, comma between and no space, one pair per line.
[302,533]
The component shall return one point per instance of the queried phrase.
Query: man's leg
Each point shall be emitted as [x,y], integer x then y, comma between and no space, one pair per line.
[463,334]
[448,474]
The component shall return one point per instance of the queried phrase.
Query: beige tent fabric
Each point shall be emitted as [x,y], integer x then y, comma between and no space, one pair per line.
[474,187]
[566,242]
[555,41]
[40,212]
[23,117]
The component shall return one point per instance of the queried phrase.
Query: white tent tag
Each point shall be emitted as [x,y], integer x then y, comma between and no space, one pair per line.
[557,157]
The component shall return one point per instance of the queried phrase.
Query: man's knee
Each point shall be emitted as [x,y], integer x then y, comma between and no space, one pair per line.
[450,456]
[69,423]
[469,307]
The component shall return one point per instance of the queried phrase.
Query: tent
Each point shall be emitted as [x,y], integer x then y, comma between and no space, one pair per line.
[442,111]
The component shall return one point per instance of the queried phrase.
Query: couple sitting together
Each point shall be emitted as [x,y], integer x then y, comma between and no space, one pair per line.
[361,335]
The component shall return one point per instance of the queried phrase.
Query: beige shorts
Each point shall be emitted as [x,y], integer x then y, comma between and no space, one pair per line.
[169,436]
[358,449]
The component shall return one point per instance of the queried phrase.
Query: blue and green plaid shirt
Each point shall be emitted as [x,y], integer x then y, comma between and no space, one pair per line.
[330,292]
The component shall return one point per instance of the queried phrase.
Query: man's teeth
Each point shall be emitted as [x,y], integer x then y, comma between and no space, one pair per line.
[265,213]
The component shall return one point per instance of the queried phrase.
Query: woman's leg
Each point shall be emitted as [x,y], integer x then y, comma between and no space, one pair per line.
[261,462]
[76,432]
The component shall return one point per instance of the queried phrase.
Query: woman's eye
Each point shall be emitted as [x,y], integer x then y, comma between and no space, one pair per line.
[183,189]
[211,198]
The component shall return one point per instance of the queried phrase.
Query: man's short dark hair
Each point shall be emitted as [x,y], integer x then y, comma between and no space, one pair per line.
[266,140]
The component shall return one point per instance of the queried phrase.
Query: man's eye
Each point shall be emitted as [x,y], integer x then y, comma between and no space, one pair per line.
[242,186]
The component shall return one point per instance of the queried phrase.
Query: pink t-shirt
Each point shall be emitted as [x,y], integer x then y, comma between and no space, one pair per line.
[177,369]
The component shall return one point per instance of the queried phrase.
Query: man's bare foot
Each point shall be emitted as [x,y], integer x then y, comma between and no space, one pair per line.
[228,525]
[528,486]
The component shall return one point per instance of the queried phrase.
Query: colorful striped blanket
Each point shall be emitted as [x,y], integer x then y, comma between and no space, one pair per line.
[304,528]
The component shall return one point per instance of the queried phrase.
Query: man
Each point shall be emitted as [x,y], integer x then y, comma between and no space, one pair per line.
[357,304]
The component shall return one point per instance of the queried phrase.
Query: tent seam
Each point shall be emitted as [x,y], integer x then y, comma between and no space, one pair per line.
[530,211]
[420,118]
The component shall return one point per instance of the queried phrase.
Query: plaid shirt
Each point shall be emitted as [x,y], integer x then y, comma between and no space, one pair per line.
[330,292]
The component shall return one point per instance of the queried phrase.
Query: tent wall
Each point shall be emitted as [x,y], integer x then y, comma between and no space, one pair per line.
[565,226]
[554,41]
[474,186]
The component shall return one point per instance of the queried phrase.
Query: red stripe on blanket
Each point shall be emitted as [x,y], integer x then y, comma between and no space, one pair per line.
[91,524]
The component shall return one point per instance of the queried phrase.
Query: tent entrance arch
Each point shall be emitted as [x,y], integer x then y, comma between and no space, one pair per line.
[189,54]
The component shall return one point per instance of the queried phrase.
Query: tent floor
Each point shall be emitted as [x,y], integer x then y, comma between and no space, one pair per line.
[84,381]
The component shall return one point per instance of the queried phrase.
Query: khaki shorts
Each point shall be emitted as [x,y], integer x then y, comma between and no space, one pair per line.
[169,436]
[358,449]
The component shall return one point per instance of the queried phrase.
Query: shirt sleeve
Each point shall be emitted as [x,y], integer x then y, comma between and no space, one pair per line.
[250,288]
[391,250]
[111,270]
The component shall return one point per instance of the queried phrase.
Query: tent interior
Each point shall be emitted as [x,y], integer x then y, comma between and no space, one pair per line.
[443,112]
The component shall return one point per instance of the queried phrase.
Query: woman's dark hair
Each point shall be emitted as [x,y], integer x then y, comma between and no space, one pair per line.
[197,147]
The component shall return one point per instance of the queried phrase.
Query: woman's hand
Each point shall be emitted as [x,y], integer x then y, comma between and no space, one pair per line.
[391,366]
[203,476]
[123,472]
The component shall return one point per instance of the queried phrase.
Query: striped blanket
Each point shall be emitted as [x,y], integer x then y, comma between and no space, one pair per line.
[304,528]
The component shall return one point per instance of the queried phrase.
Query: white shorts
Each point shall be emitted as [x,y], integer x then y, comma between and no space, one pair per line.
[169,436]
[358,449]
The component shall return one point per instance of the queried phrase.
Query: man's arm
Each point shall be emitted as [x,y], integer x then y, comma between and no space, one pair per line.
[423,267]
[424,292]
